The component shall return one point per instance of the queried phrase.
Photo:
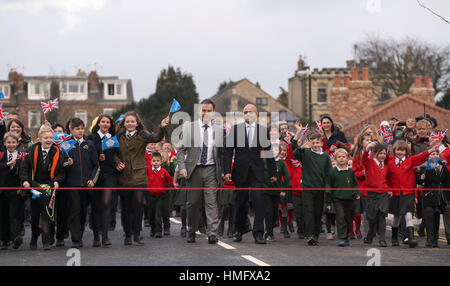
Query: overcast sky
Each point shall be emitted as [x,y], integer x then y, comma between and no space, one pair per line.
[213,40]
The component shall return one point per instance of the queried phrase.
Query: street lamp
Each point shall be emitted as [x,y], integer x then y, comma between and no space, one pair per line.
[307,72]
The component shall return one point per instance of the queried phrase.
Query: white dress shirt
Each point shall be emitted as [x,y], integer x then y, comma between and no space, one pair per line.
[107,135]
[130,133]
[210,155]
[252,129]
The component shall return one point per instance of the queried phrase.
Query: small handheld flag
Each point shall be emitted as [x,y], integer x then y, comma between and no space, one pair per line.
[2,95]
[120,118]
[21,155]
[2,116]
[59,138]
[50,105]
[386,133]
[67,145]
[319,125]
[110,143]
[36,194]
[296,163]
[175,106]
[438,136]
[432,164]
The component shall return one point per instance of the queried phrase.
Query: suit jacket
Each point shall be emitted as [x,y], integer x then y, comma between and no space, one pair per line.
[247,157]
[188,154]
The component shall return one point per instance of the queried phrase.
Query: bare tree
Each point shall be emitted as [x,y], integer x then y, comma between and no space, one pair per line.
[394,63]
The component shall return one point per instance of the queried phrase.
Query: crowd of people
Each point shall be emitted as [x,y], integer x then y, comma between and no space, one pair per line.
[312,177]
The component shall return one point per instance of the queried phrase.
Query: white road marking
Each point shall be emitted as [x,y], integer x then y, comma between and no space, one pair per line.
[255,260]
[224,245]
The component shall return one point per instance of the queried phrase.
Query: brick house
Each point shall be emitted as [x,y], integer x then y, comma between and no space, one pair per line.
[83,96]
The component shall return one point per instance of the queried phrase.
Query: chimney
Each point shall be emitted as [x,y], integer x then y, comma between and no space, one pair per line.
[81,72]
[346,80]
[355,74]
[365,74]
[427,82]
[93,81]
[417,82]
[337,81]
[12,74]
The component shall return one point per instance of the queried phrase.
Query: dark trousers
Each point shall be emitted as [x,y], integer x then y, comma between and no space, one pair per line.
[62,213]
[446,218]
[39,211]
[312,212]
[11,217]
[101,207]
[132,202]
[432,221]
[114,202]
[298,213]
[241,205]
[78,204]
[343,217]
[271,202]
[158,208]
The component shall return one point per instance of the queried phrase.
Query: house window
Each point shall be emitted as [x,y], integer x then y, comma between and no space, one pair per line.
[261,101]
[4,92]
[34,118]
[118,89]
[322,93]
[73,88]
[82,114]
[37,88]
[111,89]
[109,111]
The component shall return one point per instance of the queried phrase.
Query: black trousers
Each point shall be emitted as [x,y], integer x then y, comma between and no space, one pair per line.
[78,204]
[101,206]
[39,211]
[298,213]
[271,202]
[432,222]
[241,205]
[312,211]
[62,213]
[11,216]
[158,208]
[343,217]
[132,202]
[114,202]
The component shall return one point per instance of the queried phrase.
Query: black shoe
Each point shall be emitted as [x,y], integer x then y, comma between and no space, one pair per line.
[202,229]
[76,245]
[411,241]
[190,237]
[52,241]
[383,243]
[167,232]
[260,240]
[394,239]
[59,242]
[428,243]
[291,227]
[127,241]
[269,237]
[106,242]
[96,243]
[146,223]
[312,241]
[17,242]
[152,233]
[365,240]
[183,232]
[4,245]
[237,237]
[212,239]
[435,244]
[158,235]
[33,244]
[138,240]
[46,246]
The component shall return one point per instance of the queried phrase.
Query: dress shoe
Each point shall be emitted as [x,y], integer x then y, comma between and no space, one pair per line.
[190,237]
[260,240]
[106,242]
[212,239]
[33,244]
[46,246]
[383,243]
[4,245]
[96,243]
[167,232]
[127,241]
[237,237]
[17,242]
[76,245]
[158,235]
[138,240]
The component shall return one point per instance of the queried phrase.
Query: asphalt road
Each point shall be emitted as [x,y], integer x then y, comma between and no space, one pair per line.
[173,250]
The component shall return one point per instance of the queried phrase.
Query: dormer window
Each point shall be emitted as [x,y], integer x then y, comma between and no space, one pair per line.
[261,101]
[114,89]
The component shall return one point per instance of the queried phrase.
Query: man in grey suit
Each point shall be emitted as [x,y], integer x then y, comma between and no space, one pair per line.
[200,162]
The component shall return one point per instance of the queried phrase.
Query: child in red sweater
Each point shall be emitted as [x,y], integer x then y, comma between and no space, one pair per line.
[158,178]
[402,179]
[377,194]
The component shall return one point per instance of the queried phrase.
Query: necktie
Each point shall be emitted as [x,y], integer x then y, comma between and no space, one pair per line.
[10,157]
[249,135]
[381,166]
[399,163]
[44,155]
[204,156]
[128,135]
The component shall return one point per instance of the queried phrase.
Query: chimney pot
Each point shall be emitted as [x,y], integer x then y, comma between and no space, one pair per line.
[337,81]
[365,74]
[417,82]
[427,82]
[355,74]
[346,80]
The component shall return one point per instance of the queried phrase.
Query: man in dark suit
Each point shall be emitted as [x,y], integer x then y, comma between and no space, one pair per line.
[251,143]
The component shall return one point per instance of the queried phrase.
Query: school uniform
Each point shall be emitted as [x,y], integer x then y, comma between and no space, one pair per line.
[377,197]
[342,199]
[159,198]
[433,204]
[316,167]
[102,199]
[42,167]
[11,203]
[85,168]
[272,197]
[358,205]
[295,173]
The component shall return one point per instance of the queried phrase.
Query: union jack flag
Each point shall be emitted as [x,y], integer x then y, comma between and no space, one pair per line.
[21,155]
[296,163]
[227,128]
[52,200]
[59,138]
[3,114]
[305,129]
[319,125]
[438,136]
[386,133]
[149,151]
[50,105]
